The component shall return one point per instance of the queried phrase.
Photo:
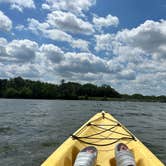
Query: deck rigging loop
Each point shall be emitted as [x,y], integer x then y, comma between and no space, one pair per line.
[94,138]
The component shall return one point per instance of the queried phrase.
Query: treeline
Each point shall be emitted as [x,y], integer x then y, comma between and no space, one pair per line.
[140,97]
[22,88]
[28,89]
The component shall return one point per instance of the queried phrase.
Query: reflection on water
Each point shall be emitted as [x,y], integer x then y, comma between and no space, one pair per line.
[31,129]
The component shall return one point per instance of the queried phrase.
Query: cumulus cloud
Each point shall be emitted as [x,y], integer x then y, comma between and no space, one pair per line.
[5,22]
[83,77]
[20,27]
[36,27]
[18,51]
[27,70]
[82,63]
[52,52]
[104,42]
[56,34]
[150,37]
[107,21]
[147,39]
[136,64]
[19,4]
[17,58]
[3,43]
[69,22]
[148,84]
[22,50]
[126,74]
[26,58]
[74,6]
[83,45]
[44,28]
[138,56]
[23,55]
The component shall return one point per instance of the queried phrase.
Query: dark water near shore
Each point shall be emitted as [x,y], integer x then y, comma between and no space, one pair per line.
[31,129]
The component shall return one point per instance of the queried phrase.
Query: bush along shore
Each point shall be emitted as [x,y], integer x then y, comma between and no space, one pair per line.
[28,89]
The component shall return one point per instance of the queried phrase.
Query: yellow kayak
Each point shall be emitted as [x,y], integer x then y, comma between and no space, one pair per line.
[102,131]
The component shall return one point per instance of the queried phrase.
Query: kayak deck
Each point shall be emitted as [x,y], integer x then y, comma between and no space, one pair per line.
[102,131]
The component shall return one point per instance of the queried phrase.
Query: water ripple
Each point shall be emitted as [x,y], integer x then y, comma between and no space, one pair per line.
[37,127]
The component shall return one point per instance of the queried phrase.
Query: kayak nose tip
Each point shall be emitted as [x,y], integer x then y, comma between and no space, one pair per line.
[103,112]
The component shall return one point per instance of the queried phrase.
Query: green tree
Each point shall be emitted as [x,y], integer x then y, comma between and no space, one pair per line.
[25,92]
[11,93]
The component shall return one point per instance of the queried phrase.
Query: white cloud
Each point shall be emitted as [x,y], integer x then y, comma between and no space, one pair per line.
[18,51]
[148,84]
[19,4]
[107,21]
[57,35]
[74,6]
[3,71]
[115,66]
[5,22]
[25,58]
[104,42]
[50,32]
[69,22]
[52,52]
[22,50]
[132,67]
[45,6]
[83,45]
[49,56]
[138,57]
[20,27]
[82,63]
[24,70]
[28,59]
[126,74]
[3,41]
[36,27]
[17,58]
[83,77]
[150,37]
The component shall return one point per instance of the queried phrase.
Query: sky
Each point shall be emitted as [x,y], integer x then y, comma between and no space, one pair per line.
[121,43]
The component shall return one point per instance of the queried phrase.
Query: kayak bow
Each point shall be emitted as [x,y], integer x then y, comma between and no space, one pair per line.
[102,131]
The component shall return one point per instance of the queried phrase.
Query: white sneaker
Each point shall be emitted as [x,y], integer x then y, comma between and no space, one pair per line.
[86,157]
[123,156]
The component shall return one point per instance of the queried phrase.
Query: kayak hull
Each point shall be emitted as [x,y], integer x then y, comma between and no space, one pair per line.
[102,131]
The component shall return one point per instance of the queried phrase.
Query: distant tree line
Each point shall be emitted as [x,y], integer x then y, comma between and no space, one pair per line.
[28,89]
[140,97]
[22,88]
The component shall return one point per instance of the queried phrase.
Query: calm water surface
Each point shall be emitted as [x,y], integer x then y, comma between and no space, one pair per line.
[30,130]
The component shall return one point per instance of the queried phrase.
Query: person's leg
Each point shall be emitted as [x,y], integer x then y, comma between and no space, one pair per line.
[86,157]
[123,156]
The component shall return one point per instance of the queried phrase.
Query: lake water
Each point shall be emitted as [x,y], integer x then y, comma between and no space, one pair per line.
[30,130]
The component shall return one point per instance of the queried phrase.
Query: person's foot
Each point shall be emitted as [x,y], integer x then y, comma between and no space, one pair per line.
[86,157]
[123,156]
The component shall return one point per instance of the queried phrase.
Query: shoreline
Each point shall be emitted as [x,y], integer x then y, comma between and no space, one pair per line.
[94,99]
